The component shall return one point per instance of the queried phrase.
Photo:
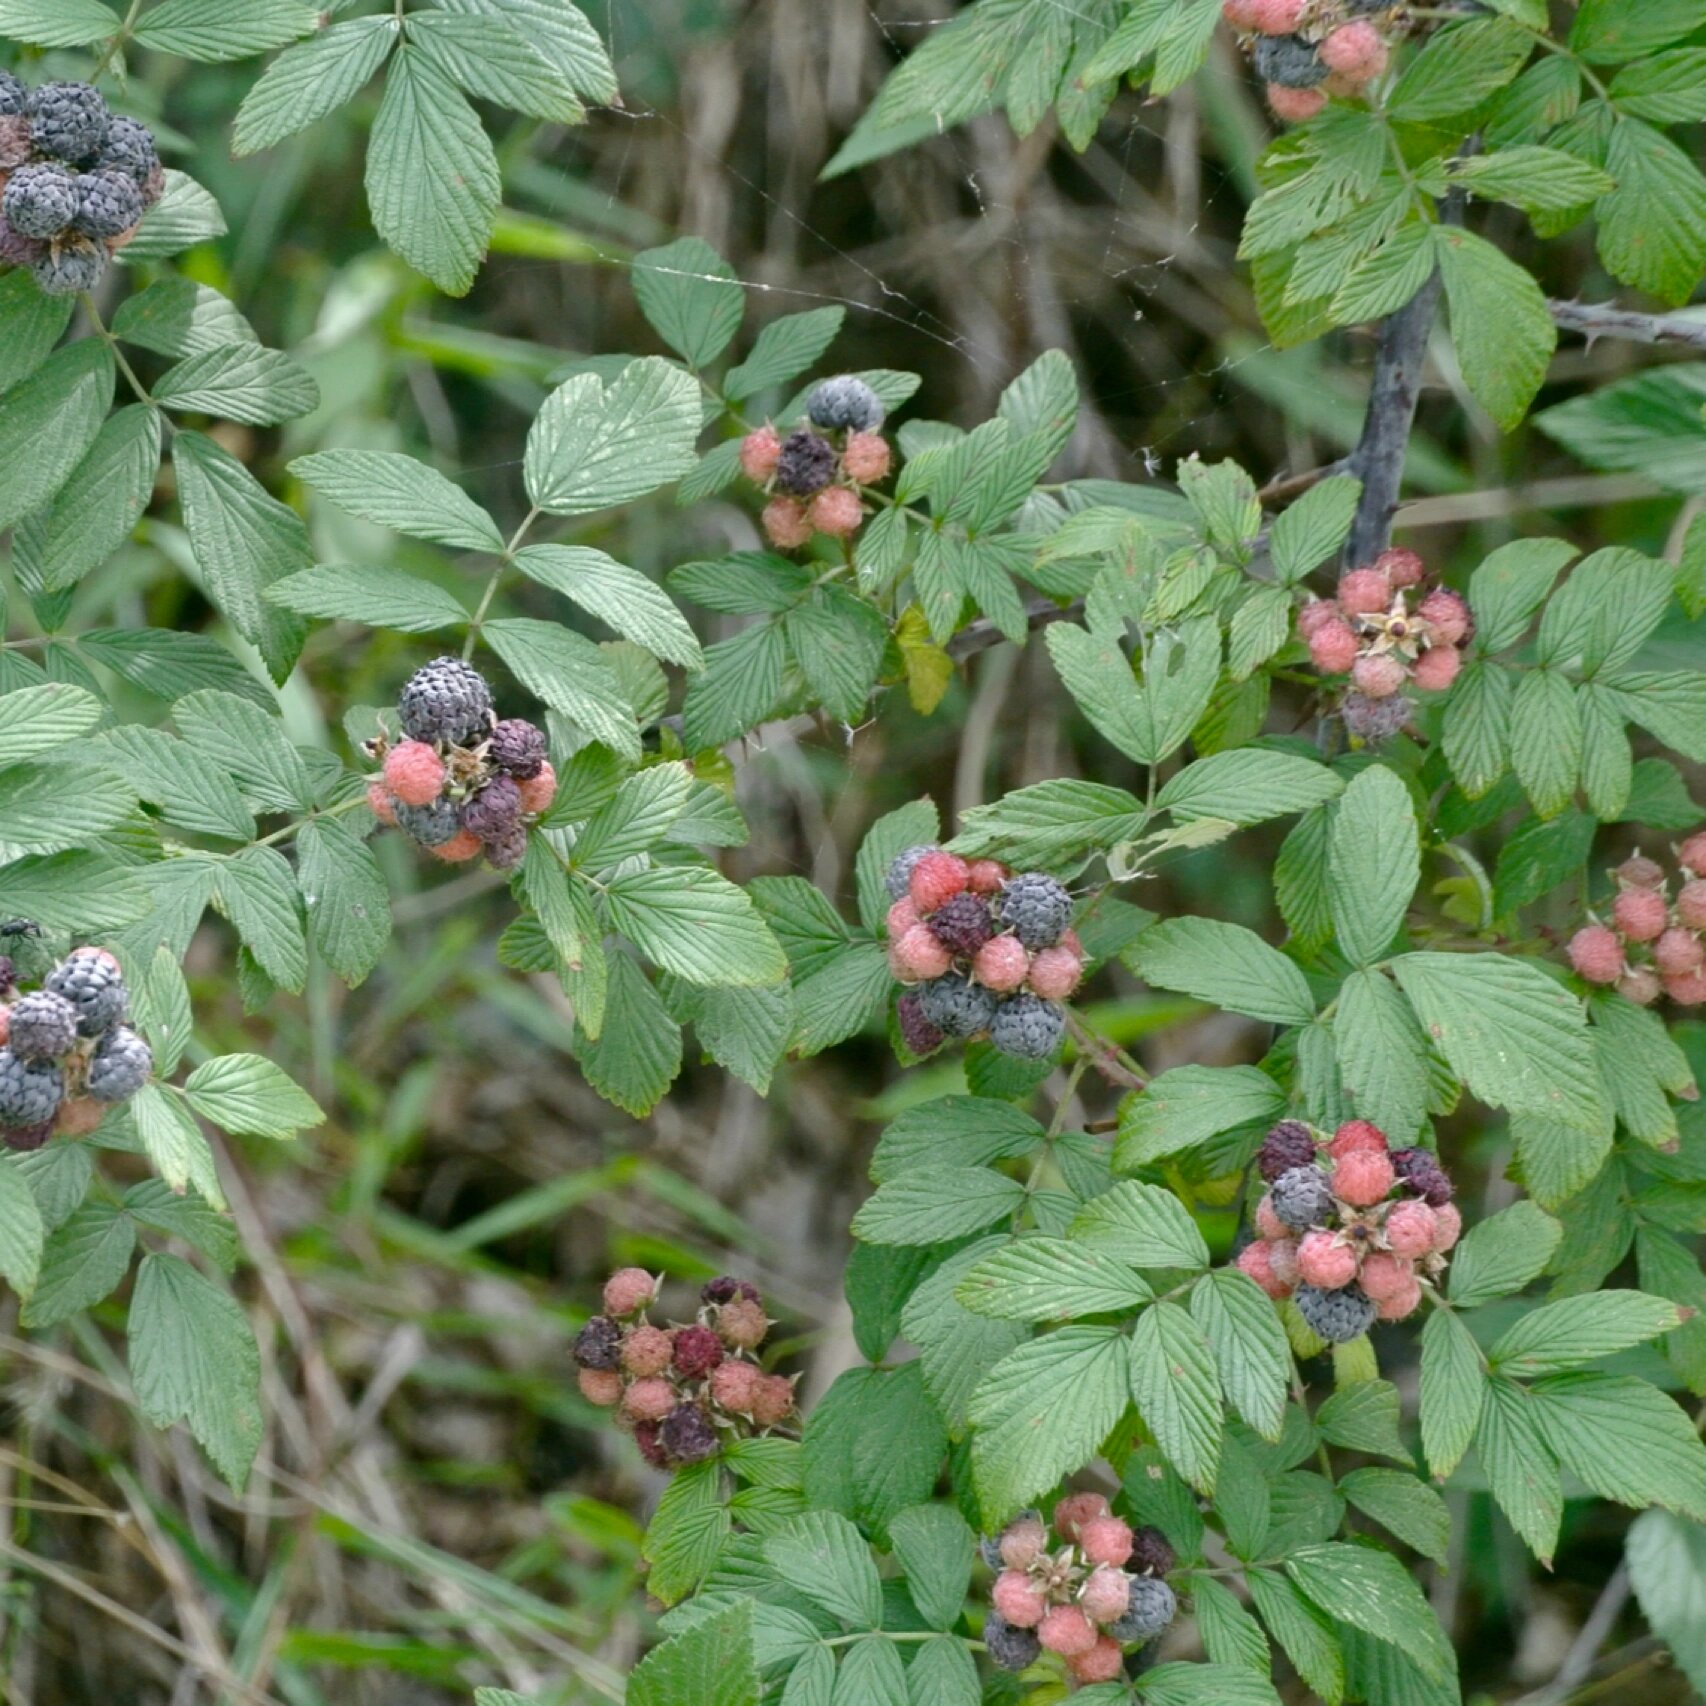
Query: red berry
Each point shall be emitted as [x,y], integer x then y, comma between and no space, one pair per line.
[414,773]
[1383,1276]
[1333,646]
[1448,614]
[1067,1631]
[1355,1135]
[1378,675]
[459,849]
[937,877]
[1105,1662]
[379,802]
[1282,1262]
[1317,614]
[1256,1260]
[697,1351]
[918,955]
[600,1386]
[1448,1227]
[1055,973]
[1403,1303]
[786,524]
[1400,567]
[1240,14]
[1437,668]
[647,1350]
[1355,51]
[1278,17]
[1691,905]
[902,916]
[1023,1541]
[1597,954]
[1075,1510]
[1688,990]
[1691,855]
[743,1324]
[1641,985]
[985,876]
[537,792]
[1001,964]
[734,1386]
[1295,106]
[1106,1595]
[1364,592]
[759,453]
[1020,1600]
[1641,914]
[629,1290]
[1679,952]
[836,510]
[1269,1226]
[1105,1540]
[1410,1229]
[1364,1178]
[1640,872]
[866,459]
[649,1400]
[1324,1262]
[773,1402]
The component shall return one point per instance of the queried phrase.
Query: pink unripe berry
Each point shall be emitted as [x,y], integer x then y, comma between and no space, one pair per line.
[1295,106]
[1410,1229]
[459,849]
[1317,614]
[1400,567]
[836,510]
[1356,51]
[600,1386]
[1402,1303]
[649,1400]
[1076,1509]
[1323,1261]
[1437,668]
[1282,1262]
[985,876]
[773,1401]
[1640,872]
[1641,914]
[1448,1227]
[1021,1601]
[937,877]
[1106,1595]
[1067,1631]
[1447,613]
[1688,990]
[629,1290]
[1268,1223]
[1333,645]
[1001,963]
[414,773]
[379,802]
[537,792]
[1679,952]
[1256,1260]
[734,1386]
[1105,1540]
[1364,592]
[1357,1136]
[1691,905]
[1383,1276]
[1055,973]
[903,916]
[1378,675]
[918,955]
[786,524]
[1641,985]
[743,1324]
[1240,14]
[1364,1178]
[760,451]
[1691,855]
[1023,1542]
[1105,1662]
[1597,954]
[647,1350]
[1277,17]
[866,458]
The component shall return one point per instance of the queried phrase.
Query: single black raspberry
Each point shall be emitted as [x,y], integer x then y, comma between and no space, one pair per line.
[119,1066]
[1152,1607]
[445,700]
[517,748]
[43,1026]
[1027,1027]
[40,200]
[93,984]
[962,924]
[431,825]
[956,1006]
[725,1288]
[30,1090]
[598,1344]
[1036,907]
[1288,1144]
[508,850]
[68,120]
[14,95]
[646,1437]
[806,465]
[920,1036]
[27,1137]
[845,403]
[687,1434]
[1420,1173]
[1303,1197]
[70,266]
[899,873]
[109,203]
[493,812]
[1151,1555]
[1336,1316]
[1375,720]
[1010,1648]
[129,148]
[1290,61]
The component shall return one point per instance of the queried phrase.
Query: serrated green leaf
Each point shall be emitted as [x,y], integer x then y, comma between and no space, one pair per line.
[258,893]
[1404,1506]
[312,79]
[697,924]
[21,1234]
[248,1095]
[1573,1330]
[493,61]
[378,597]
[398,492]
[1375,861]
[1249,1344]
[1503,1254]
[632,603]
[1176,1385]
[208,30]
[712,1662]
[48,425]
[934,1547]
[1373,1592]
[1223,964]
[1145,1226]
[691,296]
[1049,1279]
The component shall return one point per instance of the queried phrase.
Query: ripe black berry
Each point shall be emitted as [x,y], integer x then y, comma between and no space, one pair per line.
[445,700]
[1150,1553]
[845,403]
[598,1344]
[517,748]
[68,120]
[1303,1197]
[40,200]
[1290,61]
[109,203]
[1152,1608]
[43,1026]
[687,1435]
[30,1090]
[120,1065]
[962,924]
[1012,1649]
[806,465]
[1036,908]
[70,266]
[1336,1316]
[1027,1027]
[129,148]
[493,812]
[1420,1173]
[95,987]
[956,1006]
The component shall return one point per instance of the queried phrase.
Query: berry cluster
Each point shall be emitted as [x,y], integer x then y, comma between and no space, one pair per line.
[75,181]
[1370,631]
[987,951]
[66,1055]
[1349,1229]
[460,782]
[1653,946]
[1306,50]
[1096,1589]
[676,1387]
[814,477]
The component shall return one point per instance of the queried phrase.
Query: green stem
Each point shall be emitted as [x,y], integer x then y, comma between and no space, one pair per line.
[504,560]
[115,42]
[291,829]
[113,344]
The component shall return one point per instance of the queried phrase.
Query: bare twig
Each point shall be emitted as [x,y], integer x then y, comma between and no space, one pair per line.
[1605,320]
[1579,1660]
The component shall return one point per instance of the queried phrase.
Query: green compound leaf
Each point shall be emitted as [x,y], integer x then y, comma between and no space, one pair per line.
[21,1233]
[312,79]
[713,1662]
[1373,1592]
[247,1095]
[1249,1344]
[1503,1254]
[1574,1330]
[1226,965]
[1667,1564]
[398,492]
[1375,861]
[1144,1225]
[1049,1279]
[84,1261]
[1176,1385]
[691,296]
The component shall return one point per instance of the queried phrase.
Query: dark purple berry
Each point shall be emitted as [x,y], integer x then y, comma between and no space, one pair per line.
[962,924]
[1151,1554]
[598,1344]
[806,465]
[517,748]
[687,1435]
[725,1288]
[697,1351]
[1419,1172]
[920,1036]
[1288,1144]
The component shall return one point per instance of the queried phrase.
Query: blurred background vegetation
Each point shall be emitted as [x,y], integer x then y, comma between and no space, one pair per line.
[435,1506]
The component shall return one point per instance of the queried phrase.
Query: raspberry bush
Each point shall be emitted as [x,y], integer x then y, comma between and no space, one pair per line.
[1238,1324]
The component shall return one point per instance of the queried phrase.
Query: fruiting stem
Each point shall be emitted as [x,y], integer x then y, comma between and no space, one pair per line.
[504,560]
[119,357]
